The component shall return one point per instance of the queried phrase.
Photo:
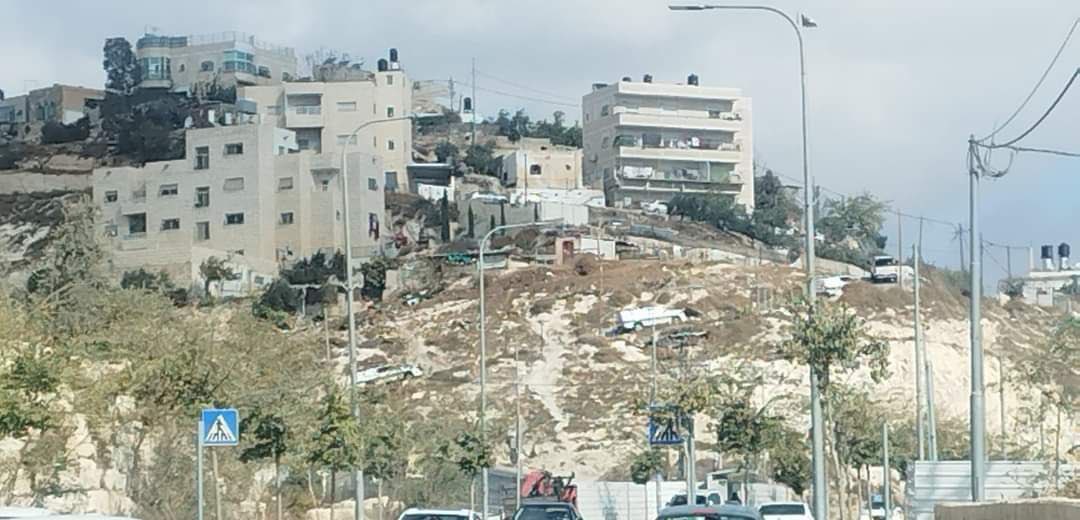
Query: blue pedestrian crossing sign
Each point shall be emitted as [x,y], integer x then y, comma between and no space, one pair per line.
[664,432]
[220,427]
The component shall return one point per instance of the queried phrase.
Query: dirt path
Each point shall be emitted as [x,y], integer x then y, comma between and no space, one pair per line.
[542,378]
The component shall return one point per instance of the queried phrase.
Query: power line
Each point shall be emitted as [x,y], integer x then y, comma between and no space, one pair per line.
[1038,122]
[512,95]
[1043,150]
[1037,84]
[525,87]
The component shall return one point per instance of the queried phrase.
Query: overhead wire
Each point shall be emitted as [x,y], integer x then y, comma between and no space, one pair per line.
[1038,84]
[524,87]
[1039,121]
[510,94]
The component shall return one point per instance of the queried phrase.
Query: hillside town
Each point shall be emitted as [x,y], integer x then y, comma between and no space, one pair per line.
[425,311]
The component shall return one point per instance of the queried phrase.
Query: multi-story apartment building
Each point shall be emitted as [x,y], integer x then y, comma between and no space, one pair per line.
[58,103]
[324,115]
[243,192]
[180,63]
[646,141]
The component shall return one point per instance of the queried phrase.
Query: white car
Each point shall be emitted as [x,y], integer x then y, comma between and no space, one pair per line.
[386,373]
[785,511]
[415,513]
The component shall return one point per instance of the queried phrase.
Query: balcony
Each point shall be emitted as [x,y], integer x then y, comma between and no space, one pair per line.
[731,153]
[304,116]
[725,122]
[648,176]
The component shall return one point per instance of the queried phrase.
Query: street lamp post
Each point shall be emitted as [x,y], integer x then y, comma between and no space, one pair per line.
[483,346]
[821,502]
[358,475]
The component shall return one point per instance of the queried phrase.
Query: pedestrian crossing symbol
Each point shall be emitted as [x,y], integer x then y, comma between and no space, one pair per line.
[220,427]
[664,432]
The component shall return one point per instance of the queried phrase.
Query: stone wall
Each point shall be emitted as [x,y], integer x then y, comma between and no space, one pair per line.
[1041,509]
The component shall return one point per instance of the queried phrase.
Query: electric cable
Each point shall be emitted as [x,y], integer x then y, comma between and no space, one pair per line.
[1037,84]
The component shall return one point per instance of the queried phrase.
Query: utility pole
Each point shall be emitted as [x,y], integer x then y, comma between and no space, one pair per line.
[1008,261]
[652,402]
[886,478]
[978,410]
[1001,396]
[931,414]
[473,139]
[899,250]
[920,365]
[517,430]
[960,235]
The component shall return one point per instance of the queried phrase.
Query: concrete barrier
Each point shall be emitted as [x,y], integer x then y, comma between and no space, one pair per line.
[1036,509]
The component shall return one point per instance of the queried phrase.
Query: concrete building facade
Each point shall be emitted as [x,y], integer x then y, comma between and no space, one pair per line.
[245,192]
[58,103]
[646,141]
[538,164]
[182,63]
[324,115]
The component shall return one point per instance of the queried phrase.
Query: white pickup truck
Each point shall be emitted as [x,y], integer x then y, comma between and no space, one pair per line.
[887,270]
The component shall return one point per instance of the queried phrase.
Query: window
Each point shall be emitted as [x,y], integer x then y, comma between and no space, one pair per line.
[714,114]
[234,219]
[534,169]
[181,67]
[110,230]
[389,144]
[202,157]
[156,68]
[286,218]
[170,224]
[325,184]
[374,142]
[202,196]
[234,184]
[234,149]
[372,184]
[239,61]
[605,110]
[273,110]
[586,116]
[264,71]
[285,76]
[284,183]
[303,144]
[344,139]
[605,142]
[136,224]
[206,66]
[168,190]
[111,196]
[202,231]
[346,106]
[389,79]
[391,183]
[389,111]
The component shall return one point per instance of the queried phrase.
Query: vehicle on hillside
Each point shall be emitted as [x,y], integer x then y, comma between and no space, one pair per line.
[886,269]
[655,208]
[387,373]
[415,513]
[785,511]
[641,317]
[717,512]
[546,509]
[877,507]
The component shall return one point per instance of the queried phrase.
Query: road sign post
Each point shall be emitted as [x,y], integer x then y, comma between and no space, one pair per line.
[217,427]
[199,468]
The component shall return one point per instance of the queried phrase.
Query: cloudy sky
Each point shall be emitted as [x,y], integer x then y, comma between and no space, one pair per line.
[895,86]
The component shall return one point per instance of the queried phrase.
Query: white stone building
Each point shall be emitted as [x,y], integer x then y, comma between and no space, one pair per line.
[646,141]
[180,63]
[538,164]
[324,116]
[243,192]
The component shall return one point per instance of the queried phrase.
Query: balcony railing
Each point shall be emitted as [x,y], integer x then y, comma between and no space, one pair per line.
[684,143]
[313,110]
